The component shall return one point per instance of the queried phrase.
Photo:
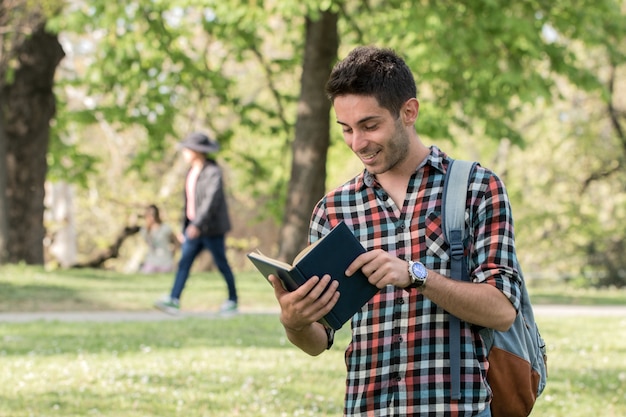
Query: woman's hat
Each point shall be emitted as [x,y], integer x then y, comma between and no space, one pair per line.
[199,142]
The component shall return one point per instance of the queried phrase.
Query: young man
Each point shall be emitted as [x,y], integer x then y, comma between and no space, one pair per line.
[205,220]
[398,361]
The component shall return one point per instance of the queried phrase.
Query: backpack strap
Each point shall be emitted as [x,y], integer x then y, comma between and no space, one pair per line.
[456,184]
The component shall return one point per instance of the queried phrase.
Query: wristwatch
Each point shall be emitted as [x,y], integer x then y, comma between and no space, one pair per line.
[418,274]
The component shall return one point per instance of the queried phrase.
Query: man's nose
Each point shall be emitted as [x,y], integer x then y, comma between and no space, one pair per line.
[358,141]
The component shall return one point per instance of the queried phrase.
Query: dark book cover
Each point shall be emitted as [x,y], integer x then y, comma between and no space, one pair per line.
[330,255]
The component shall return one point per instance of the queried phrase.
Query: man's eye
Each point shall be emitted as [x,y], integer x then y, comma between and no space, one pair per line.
[370,127]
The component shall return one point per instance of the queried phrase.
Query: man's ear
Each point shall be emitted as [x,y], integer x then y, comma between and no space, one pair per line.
[410,111]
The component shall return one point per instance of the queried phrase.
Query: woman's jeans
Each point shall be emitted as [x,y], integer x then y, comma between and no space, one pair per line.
[190,249]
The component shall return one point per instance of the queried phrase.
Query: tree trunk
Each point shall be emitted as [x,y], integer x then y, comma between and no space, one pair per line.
[310,146]
[28,105]
[4,225]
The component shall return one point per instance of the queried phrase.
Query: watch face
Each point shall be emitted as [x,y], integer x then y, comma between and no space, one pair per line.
[419,270]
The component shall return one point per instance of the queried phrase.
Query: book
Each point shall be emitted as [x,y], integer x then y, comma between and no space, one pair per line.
[332,254]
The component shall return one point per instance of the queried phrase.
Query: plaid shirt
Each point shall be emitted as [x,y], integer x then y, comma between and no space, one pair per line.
[398,359]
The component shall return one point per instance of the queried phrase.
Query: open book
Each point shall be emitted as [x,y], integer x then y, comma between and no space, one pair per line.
[331,255]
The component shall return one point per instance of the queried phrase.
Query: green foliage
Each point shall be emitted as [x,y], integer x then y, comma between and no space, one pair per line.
[17,20]
[154,70]
[566,223]
[65,160]
[479,63]
[174,67]
[604,252]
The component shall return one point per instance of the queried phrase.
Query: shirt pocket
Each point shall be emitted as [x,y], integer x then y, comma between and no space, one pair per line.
[436,244]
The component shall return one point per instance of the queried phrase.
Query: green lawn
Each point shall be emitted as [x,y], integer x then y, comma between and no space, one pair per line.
[555,292]
[34,289]
[240,366]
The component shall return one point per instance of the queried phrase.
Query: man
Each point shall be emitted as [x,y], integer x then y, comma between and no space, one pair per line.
[398,359]
[205,220]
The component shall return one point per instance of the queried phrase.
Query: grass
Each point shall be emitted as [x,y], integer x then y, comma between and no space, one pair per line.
[240,366]
[237,367]
[558,292]
[24,288]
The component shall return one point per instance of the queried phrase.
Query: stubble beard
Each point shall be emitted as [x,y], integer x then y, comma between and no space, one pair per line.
[396,151]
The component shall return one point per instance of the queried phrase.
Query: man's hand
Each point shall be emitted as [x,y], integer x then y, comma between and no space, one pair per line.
[302,308]
[307,304]
[381,269]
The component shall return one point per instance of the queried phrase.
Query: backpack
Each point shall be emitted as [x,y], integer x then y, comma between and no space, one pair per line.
[517,358]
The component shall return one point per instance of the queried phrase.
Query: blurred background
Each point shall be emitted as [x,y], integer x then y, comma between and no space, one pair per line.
[95,95]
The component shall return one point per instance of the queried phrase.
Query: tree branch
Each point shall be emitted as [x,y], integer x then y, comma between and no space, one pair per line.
[614,116]
[112,252]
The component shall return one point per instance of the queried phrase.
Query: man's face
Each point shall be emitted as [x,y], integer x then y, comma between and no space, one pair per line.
[374,135]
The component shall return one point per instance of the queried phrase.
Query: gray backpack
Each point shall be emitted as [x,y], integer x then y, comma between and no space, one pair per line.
[517,358]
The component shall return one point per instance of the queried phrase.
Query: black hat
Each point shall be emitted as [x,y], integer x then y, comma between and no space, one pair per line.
[199,142]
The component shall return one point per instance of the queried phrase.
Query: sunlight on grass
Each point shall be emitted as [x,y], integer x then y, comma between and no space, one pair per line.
[561,293]
[193,382]
[221,367]
[245,367]
[241,366]
[27,288]
[587,370]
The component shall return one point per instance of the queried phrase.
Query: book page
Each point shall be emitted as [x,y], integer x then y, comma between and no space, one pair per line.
[271,261]
[306,250]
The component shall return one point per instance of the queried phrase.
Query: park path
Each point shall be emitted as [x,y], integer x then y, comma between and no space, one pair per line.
[154,315]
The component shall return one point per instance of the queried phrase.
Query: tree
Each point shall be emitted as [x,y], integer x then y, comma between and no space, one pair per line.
[312,139]
[227,36]
[573,205]
[197,85]
[238,69]
[29,60]
[478,65]
[4,225]
[10,26]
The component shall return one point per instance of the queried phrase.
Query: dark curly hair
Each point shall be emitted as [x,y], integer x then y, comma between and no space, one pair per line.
[372,71]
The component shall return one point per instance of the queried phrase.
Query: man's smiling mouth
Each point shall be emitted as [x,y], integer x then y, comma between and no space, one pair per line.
[368,156]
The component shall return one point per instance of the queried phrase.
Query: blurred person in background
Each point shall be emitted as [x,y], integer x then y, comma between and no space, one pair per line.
[161,242]
[205,221]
